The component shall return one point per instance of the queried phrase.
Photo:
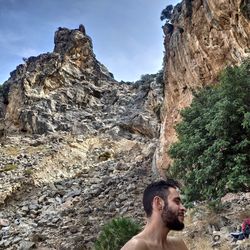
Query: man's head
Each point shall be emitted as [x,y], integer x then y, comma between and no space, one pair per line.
[163,197]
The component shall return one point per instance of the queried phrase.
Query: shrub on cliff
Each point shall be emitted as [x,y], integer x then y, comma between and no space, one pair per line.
[212,155]
[245,8]
[116,233]
[167,13]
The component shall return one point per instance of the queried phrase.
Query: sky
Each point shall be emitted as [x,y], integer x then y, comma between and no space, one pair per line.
[127,35]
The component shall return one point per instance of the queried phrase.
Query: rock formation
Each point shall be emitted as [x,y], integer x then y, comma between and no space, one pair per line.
[76,146]
[202,38]
[47,92]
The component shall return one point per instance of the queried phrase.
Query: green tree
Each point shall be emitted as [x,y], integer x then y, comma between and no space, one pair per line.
[116,233]
[167,13]
[212,155]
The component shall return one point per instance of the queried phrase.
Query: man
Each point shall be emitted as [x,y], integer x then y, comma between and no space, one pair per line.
[165,212]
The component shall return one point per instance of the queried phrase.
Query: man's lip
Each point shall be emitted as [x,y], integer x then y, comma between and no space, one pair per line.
[181,216]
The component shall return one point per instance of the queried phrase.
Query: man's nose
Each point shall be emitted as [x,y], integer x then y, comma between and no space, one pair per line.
[183,208]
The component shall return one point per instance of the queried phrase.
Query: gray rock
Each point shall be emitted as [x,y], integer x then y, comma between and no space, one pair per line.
[26,245]
[4,222]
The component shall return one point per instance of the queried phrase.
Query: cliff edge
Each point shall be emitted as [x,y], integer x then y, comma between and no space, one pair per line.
[201,38]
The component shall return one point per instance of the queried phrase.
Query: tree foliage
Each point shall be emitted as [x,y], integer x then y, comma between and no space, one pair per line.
[212,155]
[245,8]
[167,13]
[116,233]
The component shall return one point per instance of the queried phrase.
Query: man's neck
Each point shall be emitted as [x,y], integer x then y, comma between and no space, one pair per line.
[156,231]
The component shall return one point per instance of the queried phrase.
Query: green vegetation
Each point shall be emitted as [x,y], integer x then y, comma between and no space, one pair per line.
[212,156]
[116,233]
[148,78]
[245,8]
[167,13]
[8,167]
[215,206]
[28,172]
[104,156]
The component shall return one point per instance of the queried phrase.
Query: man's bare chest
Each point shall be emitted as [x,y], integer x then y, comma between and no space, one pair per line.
[169,246]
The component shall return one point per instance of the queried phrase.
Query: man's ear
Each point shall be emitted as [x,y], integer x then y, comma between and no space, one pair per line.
[158,203]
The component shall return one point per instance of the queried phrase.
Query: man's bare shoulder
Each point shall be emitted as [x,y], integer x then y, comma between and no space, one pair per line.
[177,243]
[136,243]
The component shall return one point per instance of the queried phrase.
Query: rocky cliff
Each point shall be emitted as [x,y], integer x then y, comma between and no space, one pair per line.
[76,146]
[46,93]
[201,39]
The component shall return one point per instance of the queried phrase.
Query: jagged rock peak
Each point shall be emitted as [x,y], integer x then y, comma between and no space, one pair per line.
[44,86]
[67,40]
[69,90]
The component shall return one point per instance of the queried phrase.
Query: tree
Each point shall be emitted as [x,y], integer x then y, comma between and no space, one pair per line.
[212,155]
[167,13]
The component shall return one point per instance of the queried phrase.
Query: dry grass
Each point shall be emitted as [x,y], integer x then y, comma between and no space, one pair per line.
[8,167]
[244,214]
[31,150]
[204,244]
[198,244]
[12,151]
[197,222]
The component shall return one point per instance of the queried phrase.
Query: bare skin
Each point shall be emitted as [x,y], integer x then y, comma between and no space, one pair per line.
[155,234]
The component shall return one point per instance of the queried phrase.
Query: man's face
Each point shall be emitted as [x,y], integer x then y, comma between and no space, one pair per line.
[173,211]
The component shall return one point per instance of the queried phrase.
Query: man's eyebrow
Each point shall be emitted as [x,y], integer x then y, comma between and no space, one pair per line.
[177,198]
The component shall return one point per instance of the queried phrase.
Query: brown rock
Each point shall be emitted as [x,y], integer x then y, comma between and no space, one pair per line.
[213,34]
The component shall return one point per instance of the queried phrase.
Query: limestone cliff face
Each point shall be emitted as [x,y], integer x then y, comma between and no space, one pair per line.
[69,90]
[39,91]
[204,36]
[76,146]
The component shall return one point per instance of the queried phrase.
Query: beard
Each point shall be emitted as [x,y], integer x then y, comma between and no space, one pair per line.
[170,219]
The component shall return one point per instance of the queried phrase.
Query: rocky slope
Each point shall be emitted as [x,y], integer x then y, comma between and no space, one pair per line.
[61,200]
[201,39]
[76,146]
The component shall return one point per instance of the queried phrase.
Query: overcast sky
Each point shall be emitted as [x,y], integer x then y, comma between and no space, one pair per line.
[126,34]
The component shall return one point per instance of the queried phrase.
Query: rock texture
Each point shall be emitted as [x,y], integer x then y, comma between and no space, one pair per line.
[46,93]
[209,228]
[203,37]
[64,189]
[76,147]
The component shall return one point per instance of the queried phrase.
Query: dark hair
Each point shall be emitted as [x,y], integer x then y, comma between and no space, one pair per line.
[158,188]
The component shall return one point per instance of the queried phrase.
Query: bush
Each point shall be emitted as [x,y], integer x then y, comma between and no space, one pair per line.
[215,206]
[167,13]
[245,8]
[212,154]
[116,233]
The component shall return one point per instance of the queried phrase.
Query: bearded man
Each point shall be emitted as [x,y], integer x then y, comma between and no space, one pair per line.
[165,212]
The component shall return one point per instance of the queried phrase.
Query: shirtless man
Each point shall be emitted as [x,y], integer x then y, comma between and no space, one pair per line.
[165,212]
